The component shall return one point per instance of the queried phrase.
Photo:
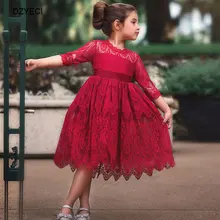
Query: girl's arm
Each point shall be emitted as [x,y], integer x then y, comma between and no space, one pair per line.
[161,104]
[49,62]
[143,79]
[81,55]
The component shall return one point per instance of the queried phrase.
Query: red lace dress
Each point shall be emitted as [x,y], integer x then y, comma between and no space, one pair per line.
[112,126]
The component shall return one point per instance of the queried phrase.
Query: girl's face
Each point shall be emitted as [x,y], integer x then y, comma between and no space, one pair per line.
[131,28]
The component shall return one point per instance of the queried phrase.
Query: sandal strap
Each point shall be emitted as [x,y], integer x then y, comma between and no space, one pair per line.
[83,209]
[67,206]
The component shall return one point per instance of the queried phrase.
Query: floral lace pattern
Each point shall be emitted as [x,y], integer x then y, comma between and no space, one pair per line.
[107,48]
[83,54]
[112,126]
[143,79]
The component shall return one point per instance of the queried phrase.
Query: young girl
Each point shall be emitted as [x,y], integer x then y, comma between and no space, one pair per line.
[112,127]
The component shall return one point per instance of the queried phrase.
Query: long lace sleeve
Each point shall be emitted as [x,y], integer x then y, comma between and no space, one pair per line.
[143,79]
[81,55]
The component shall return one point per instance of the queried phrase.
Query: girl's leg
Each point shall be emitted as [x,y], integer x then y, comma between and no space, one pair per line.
[81,181]
[84,198]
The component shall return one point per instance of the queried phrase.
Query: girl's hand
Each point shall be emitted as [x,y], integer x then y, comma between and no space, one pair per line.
[168,118]
[30,65]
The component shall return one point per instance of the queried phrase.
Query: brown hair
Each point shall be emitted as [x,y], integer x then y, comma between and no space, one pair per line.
[104,15]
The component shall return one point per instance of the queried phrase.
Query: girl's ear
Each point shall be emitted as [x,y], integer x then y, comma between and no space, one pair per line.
[117,25]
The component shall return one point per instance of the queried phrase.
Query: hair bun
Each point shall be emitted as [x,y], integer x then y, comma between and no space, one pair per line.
[99,14]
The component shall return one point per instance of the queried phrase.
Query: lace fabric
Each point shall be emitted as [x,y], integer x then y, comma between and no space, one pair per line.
[82,55]
[112,126]
[143,79]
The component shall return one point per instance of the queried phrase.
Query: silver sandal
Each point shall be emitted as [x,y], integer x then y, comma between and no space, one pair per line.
[85,216]
[62,216]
